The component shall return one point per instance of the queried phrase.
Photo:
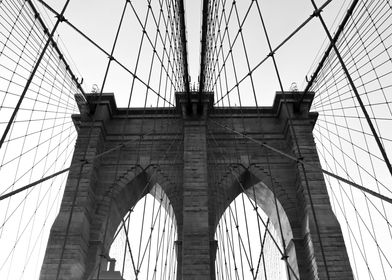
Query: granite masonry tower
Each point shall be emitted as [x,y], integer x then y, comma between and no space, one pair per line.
[198,201]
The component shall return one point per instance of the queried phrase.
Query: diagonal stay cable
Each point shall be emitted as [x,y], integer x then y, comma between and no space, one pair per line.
[106,53]
[362,188]
[355,90]
[261,62]
[60,18]
[26,187]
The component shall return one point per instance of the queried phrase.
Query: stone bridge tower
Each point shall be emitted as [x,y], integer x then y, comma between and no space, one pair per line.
[198,202]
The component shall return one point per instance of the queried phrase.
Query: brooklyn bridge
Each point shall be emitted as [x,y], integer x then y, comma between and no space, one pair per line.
[184,140]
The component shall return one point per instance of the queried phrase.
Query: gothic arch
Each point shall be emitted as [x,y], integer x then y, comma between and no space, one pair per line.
[126,194]
[259,192]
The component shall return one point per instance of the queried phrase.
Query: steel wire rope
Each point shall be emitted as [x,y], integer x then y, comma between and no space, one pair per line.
[59,19]
[335,178]
[256,104]
[30,171]
[373,237]
[235,143]
[110,58]
[372,167]
[145,34]
[275,50]
[351,246]
[355,162]
[242,119]
[293,132]
[157,23]
[306,164]
[356,216]
[352,84]
[322,47]
[138,265]
[104,51]
[346,25]
[152,226]
[365,139]
[258,214]
[225,236]
[142,193]
[246,224]
[15,176]
[45,32]
[348,224]
[138,198]
[29,221]
[55,163]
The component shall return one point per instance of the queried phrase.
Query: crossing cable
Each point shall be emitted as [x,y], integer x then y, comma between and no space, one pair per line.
[353,160]
[384,95]
[364,254]
[234,8]
[142,193]
[253,204]
[30,219]
[298,150]
[102,89]
[234,12]
[105,52]
[140,196]
[363,249]
[56,47]
[258,111]
[261,257]
[363,108]
[355,49]
[365,94]
[161,16]
[373,235]
[44,157]
[148,87]
[138,265]
[330,47]
[46,66]
[299,160]
[146,35]
[15,176]
[345,170]
[261,62]
[32,73]
[45,165]
[153,57]
[373,175]
[45,31]
[98,156]
[231,249]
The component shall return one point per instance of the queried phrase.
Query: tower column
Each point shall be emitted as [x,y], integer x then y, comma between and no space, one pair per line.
[196,243]
[197,251]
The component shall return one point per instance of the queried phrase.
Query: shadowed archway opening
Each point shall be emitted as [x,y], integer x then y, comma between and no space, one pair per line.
[144,244]
[249,246]
[255,237]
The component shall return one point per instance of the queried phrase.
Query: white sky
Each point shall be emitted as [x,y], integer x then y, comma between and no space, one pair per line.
[99,20]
